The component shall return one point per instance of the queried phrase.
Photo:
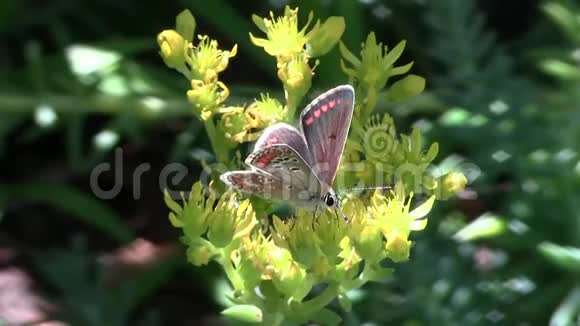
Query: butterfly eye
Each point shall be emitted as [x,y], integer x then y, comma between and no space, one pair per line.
[328,200]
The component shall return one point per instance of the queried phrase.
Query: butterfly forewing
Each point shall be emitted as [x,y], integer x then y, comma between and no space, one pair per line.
[283,133]
[325,124]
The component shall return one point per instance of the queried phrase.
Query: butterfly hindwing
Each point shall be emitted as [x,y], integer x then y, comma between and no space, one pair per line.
[325,124]
[300,184]
[255,182]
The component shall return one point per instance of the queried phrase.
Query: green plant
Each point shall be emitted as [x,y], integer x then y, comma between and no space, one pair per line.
[275,270]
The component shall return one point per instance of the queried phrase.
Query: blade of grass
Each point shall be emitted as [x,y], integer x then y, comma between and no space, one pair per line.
[73,202]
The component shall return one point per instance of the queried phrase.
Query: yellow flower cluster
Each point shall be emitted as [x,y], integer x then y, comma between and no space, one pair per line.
[273,267]
[286,260]
[294,47]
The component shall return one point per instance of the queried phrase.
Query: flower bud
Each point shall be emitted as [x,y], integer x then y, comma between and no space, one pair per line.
[172,48]
[296,75]
[199,252]
[244,313]
[398,246]
[451,184]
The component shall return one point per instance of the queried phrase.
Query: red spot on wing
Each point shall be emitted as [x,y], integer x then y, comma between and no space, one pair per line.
[273,140]
[324,108]
[264,160]
[309,121]
[317,113]
[331,104]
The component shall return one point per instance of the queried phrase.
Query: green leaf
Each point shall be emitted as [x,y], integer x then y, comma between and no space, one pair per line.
[259,22]
[408,87]
[564,257]
[394,54]
[422,210]
[486,226]
[347,55]
[185,25]
[568,311]
[245,313]
[325,38]
[563,17]
[401,69]
[77,204]
[561,69]
[174,206]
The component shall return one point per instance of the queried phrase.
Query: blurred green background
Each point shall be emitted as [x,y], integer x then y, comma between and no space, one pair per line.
[84,96]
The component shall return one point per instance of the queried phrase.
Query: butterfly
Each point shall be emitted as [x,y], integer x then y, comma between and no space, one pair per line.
[299,165]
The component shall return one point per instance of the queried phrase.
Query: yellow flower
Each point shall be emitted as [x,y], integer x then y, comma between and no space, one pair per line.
[283,36]
[206,60]
[284,39]
[265,112]
[300,240]
[235,124]
[192,217]
[207,96]
[451,184]
[376,64]
[230,220]
[398,246]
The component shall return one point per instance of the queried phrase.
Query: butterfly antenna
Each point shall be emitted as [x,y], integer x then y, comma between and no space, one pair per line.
[367,188]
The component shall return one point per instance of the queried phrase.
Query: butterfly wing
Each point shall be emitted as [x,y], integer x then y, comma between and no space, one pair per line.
[283,133]
[255,182]
[325,124]
[278,172]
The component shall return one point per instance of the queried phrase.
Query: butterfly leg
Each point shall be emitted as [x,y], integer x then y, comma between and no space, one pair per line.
[315,217]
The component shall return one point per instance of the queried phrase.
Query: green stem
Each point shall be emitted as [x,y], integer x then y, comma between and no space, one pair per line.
[359,281]
[318,303]
[229,268]
[218,148]
[292,102]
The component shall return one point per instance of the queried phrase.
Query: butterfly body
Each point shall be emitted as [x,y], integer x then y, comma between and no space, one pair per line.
[300,165]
